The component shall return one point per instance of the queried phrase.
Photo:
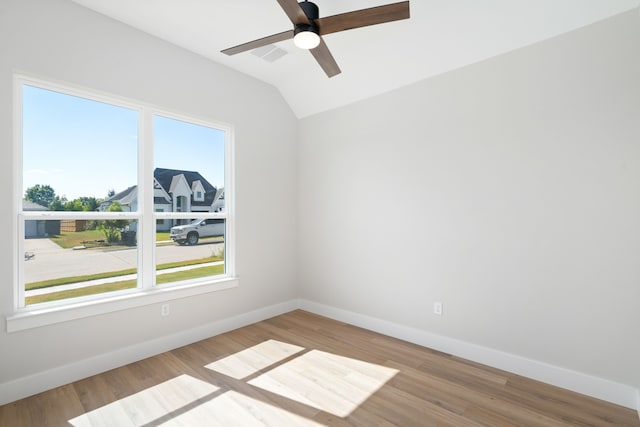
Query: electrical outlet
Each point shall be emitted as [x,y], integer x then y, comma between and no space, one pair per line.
[437,308]
[164,310]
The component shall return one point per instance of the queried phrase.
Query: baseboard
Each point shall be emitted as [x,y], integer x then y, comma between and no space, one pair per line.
[599,388]
[42,381]
[620,394]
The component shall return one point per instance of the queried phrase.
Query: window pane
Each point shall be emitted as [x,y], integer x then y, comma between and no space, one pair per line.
[191,250]
[74,258]
[189,166]
[188,177]
[77,152]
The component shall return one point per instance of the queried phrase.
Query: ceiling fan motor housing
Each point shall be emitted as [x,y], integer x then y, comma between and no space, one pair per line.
[310,9]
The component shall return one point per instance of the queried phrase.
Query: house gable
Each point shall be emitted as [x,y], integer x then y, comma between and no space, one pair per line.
[218,201]
[198,191]
[179,186]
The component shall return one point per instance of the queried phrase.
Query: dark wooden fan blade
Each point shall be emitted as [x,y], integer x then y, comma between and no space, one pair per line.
[294,12]
[325,59]
[363,17]
[285,35]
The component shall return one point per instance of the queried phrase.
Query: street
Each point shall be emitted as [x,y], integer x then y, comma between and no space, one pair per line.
[50,261]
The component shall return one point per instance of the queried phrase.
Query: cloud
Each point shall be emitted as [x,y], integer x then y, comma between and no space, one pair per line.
[43,171]
[37,172]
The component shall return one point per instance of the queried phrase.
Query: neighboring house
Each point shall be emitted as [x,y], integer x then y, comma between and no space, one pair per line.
[39,228]
[128,200]
[173,191]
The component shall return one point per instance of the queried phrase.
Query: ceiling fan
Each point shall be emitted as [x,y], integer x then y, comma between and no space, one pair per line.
[308,28]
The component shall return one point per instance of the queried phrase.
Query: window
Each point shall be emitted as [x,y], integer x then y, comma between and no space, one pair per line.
[116,199]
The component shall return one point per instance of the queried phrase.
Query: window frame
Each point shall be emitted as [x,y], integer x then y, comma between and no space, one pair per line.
[146,292]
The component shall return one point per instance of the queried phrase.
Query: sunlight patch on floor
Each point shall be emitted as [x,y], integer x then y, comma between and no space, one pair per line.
[326,381]
[320,380]
[148,405]
[233,409]
[247,362]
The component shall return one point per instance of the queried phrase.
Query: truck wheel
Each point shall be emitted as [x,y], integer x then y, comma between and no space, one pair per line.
[192,238]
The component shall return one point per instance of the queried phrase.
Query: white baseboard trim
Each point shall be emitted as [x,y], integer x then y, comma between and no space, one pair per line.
[42,381]
[589,385]
[620,394]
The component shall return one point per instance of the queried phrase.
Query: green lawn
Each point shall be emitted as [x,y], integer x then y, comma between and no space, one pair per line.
[126,284]
[86,278]
[70,239]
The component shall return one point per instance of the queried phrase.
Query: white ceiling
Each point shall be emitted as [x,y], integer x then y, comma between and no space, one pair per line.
[441,35]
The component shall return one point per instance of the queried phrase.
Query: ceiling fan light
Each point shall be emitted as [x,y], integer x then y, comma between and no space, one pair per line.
[306,37]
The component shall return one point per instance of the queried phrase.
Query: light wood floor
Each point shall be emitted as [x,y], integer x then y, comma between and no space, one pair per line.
[300,369]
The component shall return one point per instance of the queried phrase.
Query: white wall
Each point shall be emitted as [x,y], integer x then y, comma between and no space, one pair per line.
[57,39]
[508,190]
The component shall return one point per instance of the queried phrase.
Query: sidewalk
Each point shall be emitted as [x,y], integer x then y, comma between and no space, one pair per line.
[43,291]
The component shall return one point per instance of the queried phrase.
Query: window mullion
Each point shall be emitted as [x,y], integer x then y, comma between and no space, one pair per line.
[229,208]
[18,225]
[19,300]
[147,244]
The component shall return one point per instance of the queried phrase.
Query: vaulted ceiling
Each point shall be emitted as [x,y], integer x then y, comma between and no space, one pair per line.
[440,36]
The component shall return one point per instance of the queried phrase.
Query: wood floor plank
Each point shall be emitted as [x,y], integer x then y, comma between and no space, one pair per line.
[568,403]
[342,376]
[408,409]
[17,414]
[482,398]
[94,392]
[487,417]
[52,408]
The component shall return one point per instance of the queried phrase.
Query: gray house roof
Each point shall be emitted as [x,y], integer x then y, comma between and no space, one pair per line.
[166,176]
[28,205]
[160,201]
[125,197]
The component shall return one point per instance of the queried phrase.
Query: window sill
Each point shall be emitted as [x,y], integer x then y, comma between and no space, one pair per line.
[33,317]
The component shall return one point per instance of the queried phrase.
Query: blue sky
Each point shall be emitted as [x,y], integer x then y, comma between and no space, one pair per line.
[82,147]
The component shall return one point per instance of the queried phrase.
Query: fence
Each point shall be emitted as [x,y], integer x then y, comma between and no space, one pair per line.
[71,225]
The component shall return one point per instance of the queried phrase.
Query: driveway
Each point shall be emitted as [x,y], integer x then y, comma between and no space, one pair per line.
[41,246]
[51,261]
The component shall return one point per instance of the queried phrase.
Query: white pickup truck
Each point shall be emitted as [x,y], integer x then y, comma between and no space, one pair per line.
[192,232]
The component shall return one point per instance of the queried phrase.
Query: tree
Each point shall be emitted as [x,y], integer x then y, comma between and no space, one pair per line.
[74,205]
[43,195]
[111,227]
[89,204]
[80,204]
[58,203]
